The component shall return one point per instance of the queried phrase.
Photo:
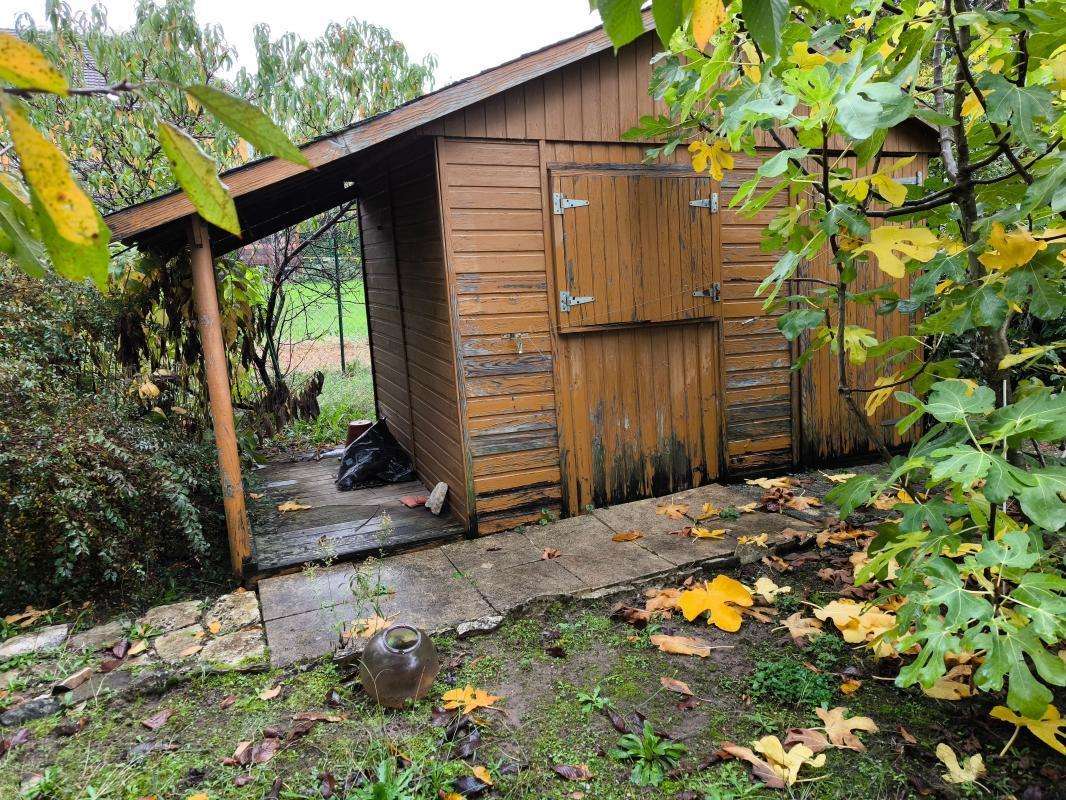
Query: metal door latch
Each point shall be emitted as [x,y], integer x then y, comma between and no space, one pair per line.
[560,202]
[715,292]
[709,202]
[568,301]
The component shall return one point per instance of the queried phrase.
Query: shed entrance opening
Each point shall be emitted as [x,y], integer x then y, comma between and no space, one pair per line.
[637,269]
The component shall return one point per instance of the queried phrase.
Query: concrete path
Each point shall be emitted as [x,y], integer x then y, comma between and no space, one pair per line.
[472,584]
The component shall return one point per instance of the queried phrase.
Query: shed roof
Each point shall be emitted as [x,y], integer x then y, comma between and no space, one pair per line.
[264,189]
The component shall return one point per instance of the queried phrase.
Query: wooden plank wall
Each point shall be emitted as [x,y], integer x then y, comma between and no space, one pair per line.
[493,205]
[830,429]
[756,357]
[408,313]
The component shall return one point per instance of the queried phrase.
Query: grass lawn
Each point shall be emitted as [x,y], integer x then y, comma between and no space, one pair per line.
[569,677]
[319,317]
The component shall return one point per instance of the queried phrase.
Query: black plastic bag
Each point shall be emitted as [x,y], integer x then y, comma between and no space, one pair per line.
[375,457]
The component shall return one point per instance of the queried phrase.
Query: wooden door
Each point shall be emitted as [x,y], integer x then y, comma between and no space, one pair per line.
[638,371]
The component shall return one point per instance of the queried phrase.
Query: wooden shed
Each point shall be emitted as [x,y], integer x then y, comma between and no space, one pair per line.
[555,324]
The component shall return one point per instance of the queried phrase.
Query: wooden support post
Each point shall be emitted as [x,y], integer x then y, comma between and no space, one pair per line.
[205,295]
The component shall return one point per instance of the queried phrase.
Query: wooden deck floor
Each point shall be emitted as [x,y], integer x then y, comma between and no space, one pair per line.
[338,525]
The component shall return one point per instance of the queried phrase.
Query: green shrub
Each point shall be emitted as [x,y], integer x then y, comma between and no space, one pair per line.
[785,681]
[98,493]
[826,652]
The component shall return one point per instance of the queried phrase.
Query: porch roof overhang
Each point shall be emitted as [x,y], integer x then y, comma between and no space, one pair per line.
[272,194]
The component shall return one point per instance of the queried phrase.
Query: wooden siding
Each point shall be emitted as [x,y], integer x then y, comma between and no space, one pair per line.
[492,197]
[597,99]
[830,429]
[756,358]
[408,312]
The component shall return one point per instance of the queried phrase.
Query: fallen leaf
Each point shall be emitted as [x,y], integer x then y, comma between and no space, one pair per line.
[365,628]
[573,772]
[946,688]
[748,508]
[884,502]
[769,590]
[482,774]
[627,536]
[803,503]
[850,686]
[906,735]
[71,726]
[840,535]
[674,685]
[854,624]
[968,772]
[662,600]
[549,553]
[270,694]
[637,617]
[841,730]
[812,738]
[801,628]
[1047,729]
[758,541]
[718,598]
[157,720]
[776,563]
[291,505]
[468,699]
[699,532]
[780,767]
[255,495]
[227,701]
[672,510]
[783,482]
[681,645]
[191,650]
[18,738]
[214,626]
[707,511]
[840,477]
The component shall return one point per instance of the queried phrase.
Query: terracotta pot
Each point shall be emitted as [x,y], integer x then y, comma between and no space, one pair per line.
[398,664]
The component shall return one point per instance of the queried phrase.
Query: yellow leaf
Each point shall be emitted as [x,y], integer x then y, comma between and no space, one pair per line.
[1010,250]
[714,157]
[46,171]
[758,541]
[804,59]
[270,694]
[365,628]
[850,686]
[707,17]
[214,627]
[700,532]
[707,511]
[800,627]
[482,774]
[893,191]
[768,590]
[719,598]
[786,764]
[947,689]
[856,188]
[681,645]
[783,482]
[974,766]
[841,730]
[971,106]
[197,796]
[672,510]
[1047,729]
[661,600]
[917,243]
[880,395]
[751,62]
[748,508]
[291,505]
[23,66]
[468,699]
[627,536]
[840,477]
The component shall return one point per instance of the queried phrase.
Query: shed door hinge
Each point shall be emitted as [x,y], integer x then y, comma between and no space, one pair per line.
[560,202]
[908,180]
[568,301]
[709,202]
[715,292]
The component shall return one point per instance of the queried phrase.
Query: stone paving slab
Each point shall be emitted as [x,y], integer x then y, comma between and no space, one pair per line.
[472,584]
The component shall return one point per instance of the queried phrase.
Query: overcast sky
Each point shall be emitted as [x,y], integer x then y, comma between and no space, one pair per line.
[467,36]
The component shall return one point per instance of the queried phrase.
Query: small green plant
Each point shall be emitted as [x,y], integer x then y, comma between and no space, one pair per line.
[827,652]
[787,602]
[140,632]
[787,681]
[729,512]
[654,755]
[546,517]
[389,783]
[593,700]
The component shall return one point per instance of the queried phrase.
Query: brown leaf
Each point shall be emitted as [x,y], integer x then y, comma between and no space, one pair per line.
[906,735]
[759,768]
[815,740]
[264,751]
[776,563]
[616,720]
[672,510]
[291,505]
[681,645]
[270,694]
[627,536]
[73,681]
[227,701]
[841,730]
[802,503]
[674,685]
[19,737]
[850,686]
[157,720]
[573,772]
[637,617]
[71,726]
[549,553]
